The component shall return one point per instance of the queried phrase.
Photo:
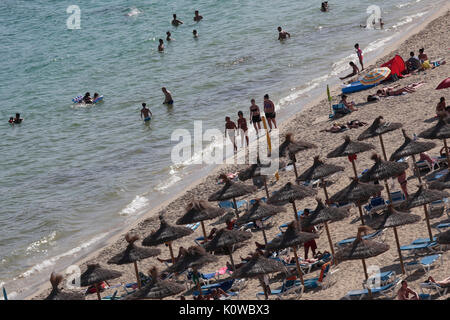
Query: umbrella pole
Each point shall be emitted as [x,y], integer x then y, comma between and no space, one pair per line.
[265,187]
[446,153]
[204,231]
[296,216]
[361,213]
[263,285]
[235,207]
[382,147]
[367,277]
[264,233]
[171,252]
[417,170]
[295,170]
[137,274]
[428,222]
[98,291]
[354,168]
[399,251]
[324,189]
[231,258]
[299,270]
[335,262]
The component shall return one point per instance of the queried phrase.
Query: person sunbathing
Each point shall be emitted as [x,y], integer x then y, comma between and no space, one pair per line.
[336,128]
[216,294]
[389,91]
[211,235]
[404,291]
[442,283]
[355,124]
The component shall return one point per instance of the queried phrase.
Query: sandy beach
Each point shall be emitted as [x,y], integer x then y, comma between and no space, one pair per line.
[414,110]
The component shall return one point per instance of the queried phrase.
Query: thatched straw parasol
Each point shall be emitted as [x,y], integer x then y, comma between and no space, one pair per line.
[255,171]
[292,238]
[230,215]
[361,249]
[411,148]
[378,128]
[132,254]
[258,211]
[350,148]
[323,214]
[199,211]
[225,238]
[391,218]
[440,131]
[56,294]
[95,275]
[319,170]
[444,237]
[289,193]
[441,183]
[357,192]
[257,267]
[423,197]
[231,190]
[166,234]
[292,147]
[157,288]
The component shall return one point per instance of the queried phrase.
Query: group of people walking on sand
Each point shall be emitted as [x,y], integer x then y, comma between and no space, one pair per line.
[176,22]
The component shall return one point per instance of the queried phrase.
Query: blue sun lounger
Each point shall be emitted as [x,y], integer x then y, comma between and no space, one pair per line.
[230,205]
[368,237]
[387,291]
[288,287]
[442,226]
[426,263]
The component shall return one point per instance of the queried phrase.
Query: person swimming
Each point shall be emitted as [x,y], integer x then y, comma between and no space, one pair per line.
[87,98]
[324,6]
[18,119]
[96,96]
[282,34]
[146,113]
[161,45]
[168,96]
[175,21]
[197,17]
[11,120]
[168,38]
[195,33]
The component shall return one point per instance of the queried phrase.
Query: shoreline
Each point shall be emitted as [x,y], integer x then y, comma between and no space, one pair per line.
[151,216]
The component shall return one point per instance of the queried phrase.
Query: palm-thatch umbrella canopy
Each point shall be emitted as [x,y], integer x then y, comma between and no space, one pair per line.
[231,190]
[95,275]
[411,148]
[132,254]
[223,219]
[357,192]
[225,238]
[292,147]
[444,237]
[166,234]
[258,211]
[350,148]
[289,193]
[441,183]
[361,249]
[423,197]
[323,214]
[257,267]
[157,288]
[56,294]
[292,238]
[199,211]
[254,171]
[391,218]
[319,170]
[378,128]
[440,131]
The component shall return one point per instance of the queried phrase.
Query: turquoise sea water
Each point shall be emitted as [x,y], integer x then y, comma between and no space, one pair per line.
[71,176]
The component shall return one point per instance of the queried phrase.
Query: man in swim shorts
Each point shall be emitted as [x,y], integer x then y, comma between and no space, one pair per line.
[283,34]
[161,45]
[197,17]
[146,113]
[230,131]
[195,33]
[255,116]
[168,96]
[18,119]
[242,126]
[269,111]
[360,55]
[175,21]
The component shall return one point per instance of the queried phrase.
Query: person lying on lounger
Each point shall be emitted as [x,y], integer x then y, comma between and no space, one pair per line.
[442,283]
[389,91]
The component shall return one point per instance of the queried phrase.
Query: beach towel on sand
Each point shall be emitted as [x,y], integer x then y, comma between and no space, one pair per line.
[397,66]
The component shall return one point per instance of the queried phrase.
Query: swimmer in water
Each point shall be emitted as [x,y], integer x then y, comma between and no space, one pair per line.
[11,121]
[283,34]
[197,17]
[168,38]
[161,45]
[324,7]
[175,21]
[195,33]
[146,113]
[168,96]
[87,98]
[381,23]
[18,119]
[96,96]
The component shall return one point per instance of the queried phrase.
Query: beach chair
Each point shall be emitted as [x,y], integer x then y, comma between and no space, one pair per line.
[224,285]
[230,205]
[379,233]
[306,267]
[339,109]
[387,291]
[420,248]
[436,208]
[397,198]
[433,287]
[426,263]
[441,160]
[425,165]
[193,226]
[375,204]
[312,184]
[436,175]
[289,287]
[263,199]
[441,226]
[380,279]
[324,280]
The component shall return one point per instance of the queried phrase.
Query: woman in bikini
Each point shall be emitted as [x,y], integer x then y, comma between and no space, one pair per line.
[243,129]
[230,131]
[389,91]
[255,116]
[269,111]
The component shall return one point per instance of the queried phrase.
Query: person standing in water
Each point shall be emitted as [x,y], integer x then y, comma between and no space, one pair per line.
[195,33]
[175,21]
[168,38]
[255,116]
[269,111]
[230,131]
[283,34]
[360,55]
[242,126]
[168,96]
[161,45]
[146,113]
[197,17]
